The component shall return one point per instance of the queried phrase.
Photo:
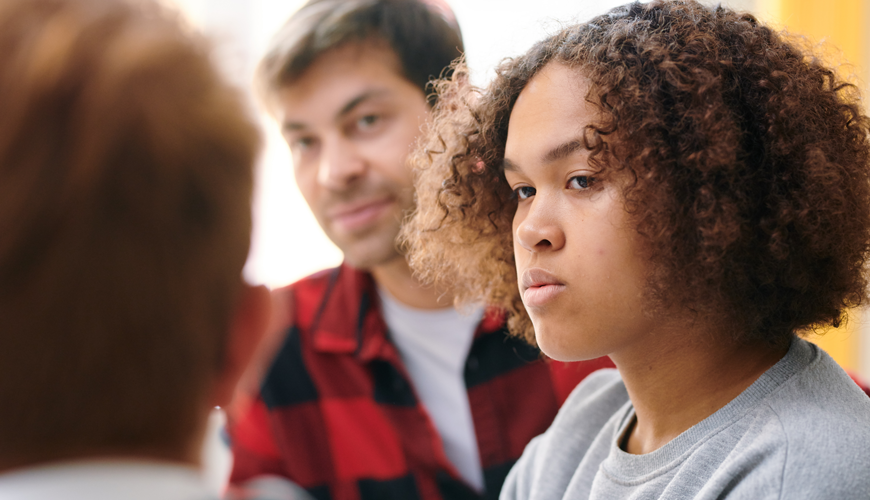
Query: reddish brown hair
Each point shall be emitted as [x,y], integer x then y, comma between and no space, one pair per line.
[748,159]
[125,189]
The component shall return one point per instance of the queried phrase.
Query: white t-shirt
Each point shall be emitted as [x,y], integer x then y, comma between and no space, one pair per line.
[434,345]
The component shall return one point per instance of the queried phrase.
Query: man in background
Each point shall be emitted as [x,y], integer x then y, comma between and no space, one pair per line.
[125,191]
[378,388]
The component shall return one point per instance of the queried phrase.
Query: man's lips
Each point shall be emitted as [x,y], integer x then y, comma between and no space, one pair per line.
[355,215]
[539,287]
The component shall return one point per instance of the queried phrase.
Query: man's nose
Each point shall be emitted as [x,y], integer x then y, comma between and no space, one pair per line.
[340,164]
[539,229]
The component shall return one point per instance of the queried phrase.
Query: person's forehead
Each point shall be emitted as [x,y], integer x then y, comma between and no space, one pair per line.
[550,112]
[341,75]
[358,53]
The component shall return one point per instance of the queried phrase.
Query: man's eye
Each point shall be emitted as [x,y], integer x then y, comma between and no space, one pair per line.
[301,143]
[367,121]
[580,182]
[524,192]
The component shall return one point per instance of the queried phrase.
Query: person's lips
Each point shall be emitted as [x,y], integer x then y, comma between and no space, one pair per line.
[539,287]
[357,215]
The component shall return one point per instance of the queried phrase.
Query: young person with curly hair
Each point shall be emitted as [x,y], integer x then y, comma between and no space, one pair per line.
[379,388]
[688,192]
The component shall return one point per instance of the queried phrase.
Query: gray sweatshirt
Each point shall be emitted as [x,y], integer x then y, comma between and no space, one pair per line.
[801,431]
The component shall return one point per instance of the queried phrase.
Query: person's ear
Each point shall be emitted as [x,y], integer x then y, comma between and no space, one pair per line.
[247,328]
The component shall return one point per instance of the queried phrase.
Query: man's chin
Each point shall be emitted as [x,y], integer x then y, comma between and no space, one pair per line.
[367,259]
[369,249]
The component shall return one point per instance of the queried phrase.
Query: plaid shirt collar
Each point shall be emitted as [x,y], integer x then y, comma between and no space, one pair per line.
[357,292]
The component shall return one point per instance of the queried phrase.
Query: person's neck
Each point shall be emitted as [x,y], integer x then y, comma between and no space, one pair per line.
[683,376]
[397,279]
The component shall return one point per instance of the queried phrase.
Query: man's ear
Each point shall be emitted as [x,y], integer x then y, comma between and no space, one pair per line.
[247,328]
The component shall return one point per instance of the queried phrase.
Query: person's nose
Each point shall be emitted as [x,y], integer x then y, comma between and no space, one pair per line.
[340,164]
[539,229]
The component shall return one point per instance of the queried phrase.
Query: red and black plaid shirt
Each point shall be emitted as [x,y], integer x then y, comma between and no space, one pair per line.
[336,412]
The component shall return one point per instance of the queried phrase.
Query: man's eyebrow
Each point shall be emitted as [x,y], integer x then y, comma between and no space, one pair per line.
[292,126]
[356,101]
[347,108]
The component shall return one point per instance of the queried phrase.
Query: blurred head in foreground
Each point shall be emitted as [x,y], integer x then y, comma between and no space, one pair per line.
[662,159]
[125,190]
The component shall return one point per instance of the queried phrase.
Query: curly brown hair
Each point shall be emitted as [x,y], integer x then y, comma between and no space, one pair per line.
[748,157]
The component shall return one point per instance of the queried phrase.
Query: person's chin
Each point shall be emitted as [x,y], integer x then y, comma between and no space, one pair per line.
[548,341]
[368,253]
[561,343]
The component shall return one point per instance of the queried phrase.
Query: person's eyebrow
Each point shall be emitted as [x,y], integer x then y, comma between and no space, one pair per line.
[347,108]
[509,166]
[559,152]
[356,101]
[563,150]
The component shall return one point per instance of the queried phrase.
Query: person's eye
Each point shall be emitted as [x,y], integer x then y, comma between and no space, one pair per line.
[524,192]
[368,121]
[301,143]
[580,182]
